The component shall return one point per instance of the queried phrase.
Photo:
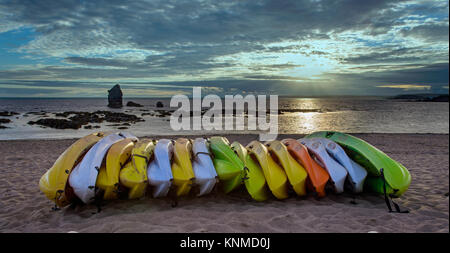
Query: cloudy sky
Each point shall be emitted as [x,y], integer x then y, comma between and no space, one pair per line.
[160,48]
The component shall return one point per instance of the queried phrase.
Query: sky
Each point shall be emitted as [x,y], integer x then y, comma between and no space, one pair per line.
[163,48]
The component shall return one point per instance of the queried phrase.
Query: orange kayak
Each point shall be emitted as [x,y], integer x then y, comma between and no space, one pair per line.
[317,176]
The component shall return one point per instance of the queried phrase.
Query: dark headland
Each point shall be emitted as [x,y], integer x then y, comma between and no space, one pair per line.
[423,97]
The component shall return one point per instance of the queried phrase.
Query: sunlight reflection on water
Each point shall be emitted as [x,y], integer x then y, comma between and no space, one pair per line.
[302,116]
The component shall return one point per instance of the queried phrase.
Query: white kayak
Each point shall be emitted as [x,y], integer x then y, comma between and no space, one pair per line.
[337,173]
[203,166]
[159,171]
[84,175]
[356,173]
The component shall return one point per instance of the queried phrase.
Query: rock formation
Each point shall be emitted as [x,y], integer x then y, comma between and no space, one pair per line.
[79,119]
[8,114]
[115,97]
[133,104]
[159,104]
[4,121]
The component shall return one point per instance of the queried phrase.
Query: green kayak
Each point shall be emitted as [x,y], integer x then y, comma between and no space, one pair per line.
[397,177]
[229,167]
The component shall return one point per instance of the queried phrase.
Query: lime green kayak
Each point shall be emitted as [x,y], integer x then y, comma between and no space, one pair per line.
[255,182]
[229,167]
[396,176]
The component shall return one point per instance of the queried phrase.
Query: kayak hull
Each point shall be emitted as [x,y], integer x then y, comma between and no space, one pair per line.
[360,179]
[183,174]
[116,158]
[161,189]
[356,173]
[54,182]
[317,176]
[84,177]
[160,171]
[275,176]
[204,171]
[295,172]
[255,182]
[134,175]
[338,174]
[228,166]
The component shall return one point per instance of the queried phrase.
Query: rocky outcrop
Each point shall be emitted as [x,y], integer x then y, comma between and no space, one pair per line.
[159,104]
[115,97]
[57,123]
[7,114]
[4,121]
[133,104]
[79,119]
[119,117]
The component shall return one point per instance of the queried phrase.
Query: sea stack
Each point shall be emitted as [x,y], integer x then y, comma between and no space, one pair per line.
[115,97]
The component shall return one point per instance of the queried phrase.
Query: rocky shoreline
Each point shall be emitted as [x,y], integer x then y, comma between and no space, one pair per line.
[77,119]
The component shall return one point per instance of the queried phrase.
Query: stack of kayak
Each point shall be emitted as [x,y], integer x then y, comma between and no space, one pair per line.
[116,165]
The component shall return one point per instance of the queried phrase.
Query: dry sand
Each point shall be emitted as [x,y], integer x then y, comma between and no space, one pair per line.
[23,208]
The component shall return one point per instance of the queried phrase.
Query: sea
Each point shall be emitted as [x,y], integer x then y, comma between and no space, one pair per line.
[302,116]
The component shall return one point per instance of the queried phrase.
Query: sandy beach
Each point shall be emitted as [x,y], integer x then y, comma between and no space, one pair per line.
[23,208]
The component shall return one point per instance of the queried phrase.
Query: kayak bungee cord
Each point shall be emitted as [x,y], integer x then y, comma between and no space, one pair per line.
[246,170]
[57,196]
[389,199]
[246,177]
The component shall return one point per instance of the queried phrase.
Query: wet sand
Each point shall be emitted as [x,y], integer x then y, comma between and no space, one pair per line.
[23,208]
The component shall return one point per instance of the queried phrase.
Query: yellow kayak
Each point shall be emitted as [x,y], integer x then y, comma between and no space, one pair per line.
[53,182]
[254,179]
[296,174]
[183,174]
[134,175]
[275,175]
[108,176]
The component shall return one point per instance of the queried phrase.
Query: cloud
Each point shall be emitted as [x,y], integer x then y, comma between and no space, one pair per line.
[97,27]
[369,82]
[262,45]
[103,62]
[268,77]
[428,32]
[406,86]
[400,55]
